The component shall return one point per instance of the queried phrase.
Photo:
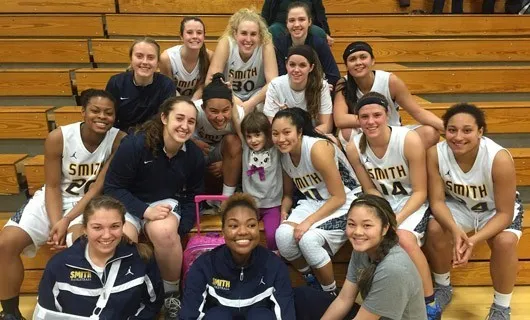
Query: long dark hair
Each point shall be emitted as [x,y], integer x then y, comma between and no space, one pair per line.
[145,250]
[382,209]
[313,89]
[348,87]
[204,60]
[301,120]
[154,127]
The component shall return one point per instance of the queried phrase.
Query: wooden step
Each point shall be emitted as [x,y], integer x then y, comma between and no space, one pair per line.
[47,25]
[8,173]
[501,117]
[24,122]
[44,82]
[44,51]
[55,6]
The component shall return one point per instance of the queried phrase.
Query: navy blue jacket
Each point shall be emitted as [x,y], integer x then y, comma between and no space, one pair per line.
[282,44]
[137,104]
[136,177]
[70,285]
[215,280]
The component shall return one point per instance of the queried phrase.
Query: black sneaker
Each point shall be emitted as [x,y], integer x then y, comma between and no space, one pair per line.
[5,316]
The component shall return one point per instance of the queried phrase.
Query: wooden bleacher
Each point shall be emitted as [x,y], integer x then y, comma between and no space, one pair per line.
[333,7]
[51,26]
[35,82]
[44,51]
[56,6]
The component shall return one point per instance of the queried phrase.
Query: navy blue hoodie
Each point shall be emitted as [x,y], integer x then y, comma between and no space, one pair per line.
[215,280]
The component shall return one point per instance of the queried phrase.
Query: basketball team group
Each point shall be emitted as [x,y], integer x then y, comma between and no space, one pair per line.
[308,157]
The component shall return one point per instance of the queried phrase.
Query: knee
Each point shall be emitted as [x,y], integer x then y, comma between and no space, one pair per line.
[407,240]
[505,242]
[10,246]
[436,235]
[285,242]
[231,146]
[430,136]
[164,233]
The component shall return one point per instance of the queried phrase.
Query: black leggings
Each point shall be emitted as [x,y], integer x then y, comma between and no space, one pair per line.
[488,6]
[311,304]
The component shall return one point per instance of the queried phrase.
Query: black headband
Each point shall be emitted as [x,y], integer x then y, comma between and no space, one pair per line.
[357,46]
[216,89]
[302,50]
[370,100]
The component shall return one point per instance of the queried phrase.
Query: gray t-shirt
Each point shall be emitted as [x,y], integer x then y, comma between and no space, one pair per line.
[397,291]
[267,192]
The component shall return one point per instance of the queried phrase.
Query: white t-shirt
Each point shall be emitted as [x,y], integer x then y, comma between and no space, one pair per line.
[279,93]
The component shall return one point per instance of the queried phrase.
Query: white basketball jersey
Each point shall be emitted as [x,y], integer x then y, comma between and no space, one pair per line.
[381,85]
[247,77]
[390,174]
[79,166]
[308,180]
[475,187]
[204,130]
[184,81]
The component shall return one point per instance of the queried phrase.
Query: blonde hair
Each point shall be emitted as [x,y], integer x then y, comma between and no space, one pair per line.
[248,14]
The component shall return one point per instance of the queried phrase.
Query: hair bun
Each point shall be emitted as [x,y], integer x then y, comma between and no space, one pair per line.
[219,76]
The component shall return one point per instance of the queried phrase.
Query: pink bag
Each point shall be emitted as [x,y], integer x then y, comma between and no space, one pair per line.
[200,243]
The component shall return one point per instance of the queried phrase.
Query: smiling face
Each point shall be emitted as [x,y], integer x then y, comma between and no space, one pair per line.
[298,23]
[104,230]
[256,140]
[144,59]
[373,120]
[359,64]
[462,134]
[218,112]
[364,229]
[241,232]
[298,69]
[99,114]
[247,38]
[285,135]
[179,124]
[193,34]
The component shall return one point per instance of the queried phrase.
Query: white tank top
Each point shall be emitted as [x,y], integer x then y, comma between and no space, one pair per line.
[79,166]
[475,187]
[184,81]
[204,130]
[390,173]
[247,77]
[308,180]
[381,85]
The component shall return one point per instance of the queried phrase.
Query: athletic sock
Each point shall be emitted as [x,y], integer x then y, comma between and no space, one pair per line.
[228,191]
[442,278]
[10,306]
[429,299]
[171,286]
[305,270]
[330,287]
[502,299]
